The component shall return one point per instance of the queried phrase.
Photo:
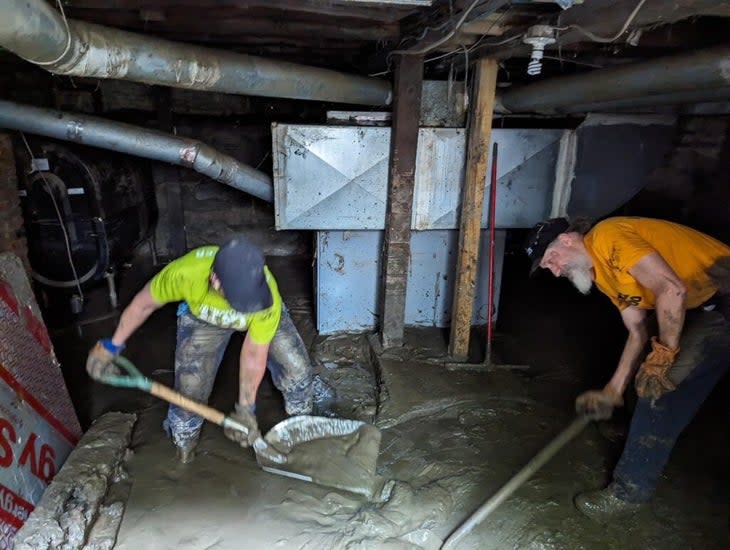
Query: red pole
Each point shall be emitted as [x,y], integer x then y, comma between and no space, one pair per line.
[492,224]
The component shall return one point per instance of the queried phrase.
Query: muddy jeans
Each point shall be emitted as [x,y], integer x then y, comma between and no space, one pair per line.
[703,360]
[199,351]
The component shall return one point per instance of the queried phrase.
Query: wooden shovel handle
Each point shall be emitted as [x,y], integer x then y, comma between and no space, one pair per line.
[171,396]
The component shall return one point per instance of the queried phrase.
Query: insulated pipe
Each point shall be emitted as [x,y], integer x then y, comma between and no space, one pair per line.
[38,33]
[704,69]
[138,141]
[676,98]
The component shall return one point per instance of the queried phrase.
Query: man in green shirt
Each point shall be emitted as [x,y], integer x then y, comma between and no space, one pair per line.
[221,291]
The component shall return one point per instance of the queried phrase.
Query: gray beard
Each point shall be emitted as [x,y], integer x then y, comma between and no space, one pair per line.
[581,278]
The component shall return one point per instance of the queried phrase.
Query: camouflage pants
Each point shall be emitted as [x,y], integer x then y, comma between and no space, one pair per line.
[199,351]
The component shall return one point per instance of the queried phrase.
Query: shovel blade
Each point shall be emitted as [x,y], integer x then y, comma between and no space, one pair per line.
[334,452]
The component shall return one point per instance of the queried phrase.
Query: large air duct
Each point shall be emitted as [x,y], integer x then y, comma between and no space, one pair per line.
[138,141]
[693,72]
[36,32]
[650,102]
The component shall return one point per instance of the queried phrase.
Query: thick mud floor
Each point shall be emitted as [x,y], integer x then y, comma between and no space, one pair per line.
[449,441]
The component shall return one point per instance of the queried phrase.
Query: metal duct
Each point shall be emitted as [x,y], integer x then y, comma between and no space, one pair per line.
[36,32]
[141,142]
[650,101]
[701,70]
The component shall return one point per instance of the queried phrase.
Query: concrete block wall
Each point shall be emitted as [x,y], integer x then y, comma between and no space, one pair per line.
[12,237]
[194,210]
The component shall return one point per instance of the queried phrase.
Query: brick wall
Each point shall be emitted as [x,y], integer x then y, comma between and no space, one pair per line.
[693,185]
[11,220]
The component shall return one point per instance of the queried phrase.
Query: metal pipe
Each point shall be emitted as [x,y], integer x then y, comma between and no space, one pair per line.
[704,69]
[676,98]
[138,141]
[38,33]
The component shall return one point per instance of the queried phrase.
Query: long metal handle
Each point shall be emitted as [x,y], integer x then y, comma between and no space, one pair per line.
[517,481]
[490,281]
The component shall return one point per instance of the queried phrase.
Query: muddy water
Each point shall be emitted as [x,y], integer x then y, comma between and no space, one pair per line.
[448,442]
[442,454]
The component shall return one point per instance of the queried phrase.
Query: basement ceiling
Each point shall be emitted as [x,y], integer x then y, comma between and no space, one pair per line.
[360,35]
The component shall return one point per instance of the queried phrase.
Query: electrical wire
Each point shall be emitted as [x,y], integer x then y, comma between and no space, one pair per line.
[575,62]
[425,31]
[66,239]
[444,39]
[470,49]
[606,39]
[493,44]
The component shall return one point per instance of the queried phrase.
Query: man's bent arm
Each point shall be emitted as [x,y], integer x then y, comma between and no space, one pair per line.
[634,319]
[252,369]
[136,313]
[670,294]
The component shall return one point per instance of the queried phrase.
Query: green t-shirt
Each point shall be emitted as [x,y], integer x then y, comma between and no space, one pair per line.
[188,279]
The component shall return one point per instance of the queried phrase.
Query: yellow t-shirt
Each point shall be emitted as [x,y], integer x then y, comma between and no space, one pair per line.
[617,244]
[187,279]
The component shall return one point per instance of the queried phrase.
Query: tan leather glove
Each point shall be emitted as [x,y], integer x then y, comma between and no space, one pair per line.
[598,404]
[243,415]
[651,380]
[99,362]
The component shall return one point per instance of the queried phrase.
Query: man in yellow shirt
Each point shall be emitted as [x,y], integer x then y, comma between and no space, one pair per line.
[221,290]
[683,276]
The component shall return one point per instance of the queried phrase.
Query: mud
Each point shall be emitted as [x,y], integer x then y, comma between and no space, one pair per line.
[76,502]
[449,441]
[345,460]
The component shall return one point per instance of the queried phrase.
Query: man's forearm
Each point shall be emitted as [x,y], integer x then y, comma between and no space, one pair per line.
[670,308]
[251,371]
[629,361]
[134,315]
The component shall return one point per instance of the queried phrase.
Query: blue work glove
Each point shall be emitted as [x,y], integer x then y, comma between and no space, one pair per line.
[99,362]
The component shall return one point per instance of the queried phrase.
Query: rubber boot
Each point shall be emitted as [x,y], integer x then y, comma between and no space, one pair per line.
[604,506]
[186,450]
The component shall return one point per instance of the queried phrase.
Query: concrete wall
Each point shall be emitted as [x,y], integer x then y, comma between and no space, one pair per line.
[12,237]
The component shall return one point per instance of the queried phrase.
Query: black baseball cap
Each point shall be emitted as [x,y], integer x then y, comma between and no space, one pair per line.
[540,238]
[239,266]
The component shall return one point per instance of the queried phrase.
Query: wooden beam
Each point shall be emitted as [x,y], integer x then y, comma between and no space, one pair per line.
[397,239]
[605,17]
[239,27]
[472,200]
[442,38]
[385,14]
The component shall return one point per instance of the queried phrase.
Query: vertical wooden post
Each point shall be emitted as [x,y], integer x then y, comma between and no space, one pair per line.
[472,200]
[397,239]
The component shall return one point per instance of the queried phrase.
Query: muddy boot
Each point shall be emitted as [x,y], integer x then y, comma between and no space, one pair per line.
[604,506]
[186,450]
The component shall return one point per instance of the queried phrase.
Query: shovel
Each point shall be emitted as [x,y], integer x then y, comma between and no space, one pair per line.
[333,452]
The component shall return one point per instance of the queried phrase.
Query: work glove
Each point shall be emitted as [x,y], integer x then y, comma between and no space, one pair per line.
[651,380]
[598,404]
[246,416]
[99,362]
